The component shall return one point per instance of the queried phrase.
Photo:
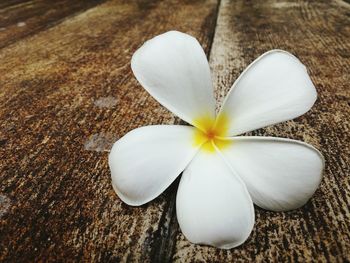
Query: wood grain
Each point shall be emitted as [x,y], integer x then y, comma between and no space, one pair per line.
[318,32]
[19,19]
[67,93]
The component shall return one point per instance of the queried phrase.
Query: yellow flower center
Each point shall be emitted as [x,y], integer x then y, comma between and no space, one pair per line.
[211,131]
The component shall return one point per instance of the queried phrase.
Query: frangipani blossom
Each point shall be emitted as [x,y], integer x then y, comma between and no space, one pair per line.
[223,174]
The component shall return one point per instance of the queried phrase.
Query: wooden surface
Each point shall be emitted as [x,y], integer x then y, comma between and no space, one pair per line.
[19,19]
[67,93]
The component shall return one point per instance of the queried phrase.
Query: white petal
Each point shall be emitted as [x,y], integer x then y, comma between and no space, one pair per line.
[280,174]
[213,205]
[274,88]
[173,68]
[147,160]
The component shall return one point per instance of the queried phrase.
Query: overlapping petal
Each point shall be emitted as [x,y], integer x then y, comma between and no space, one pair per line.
[274,88]
[174,69]
[213,205]
[215,197]
[147,160]
[280,174]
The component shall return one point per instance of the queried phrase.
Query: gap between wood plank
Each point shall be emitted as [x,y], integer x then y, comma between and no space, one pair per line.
[164,240]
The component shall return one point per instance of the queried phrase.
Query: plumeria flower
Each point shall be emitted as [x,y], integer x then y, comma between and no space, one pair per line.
[223,173]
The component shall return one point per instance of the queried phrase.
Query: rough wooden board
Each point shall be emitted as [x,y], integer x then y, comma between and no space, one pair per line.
[319,34]
[19,19]
[65,94]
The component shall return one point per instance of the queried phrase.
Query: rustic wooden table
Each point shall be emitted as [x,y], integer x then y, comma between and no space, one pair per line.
[67,93]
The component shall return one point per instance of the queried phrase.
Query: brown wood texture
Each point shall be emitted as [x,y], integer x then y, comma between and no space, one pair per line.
[19,19]
[67,93]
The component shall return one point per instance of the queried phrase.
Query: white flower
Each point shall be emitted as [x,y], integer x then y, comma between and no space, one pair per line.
[223,175]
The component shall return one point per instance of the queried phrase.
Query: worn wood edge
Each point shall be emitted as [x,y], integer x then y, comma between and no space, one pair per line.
[165,251]
[28,31]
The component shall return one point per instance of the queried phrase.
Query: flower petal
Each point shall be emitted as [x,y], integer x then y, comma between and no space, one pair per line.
[147,160]
[274,88]
[173,68]
[280,174]
[213,205]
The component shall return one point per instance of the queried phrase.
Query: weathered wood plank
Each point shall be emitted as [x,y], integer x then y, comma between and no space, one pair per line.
[318,32]
[65,94]
[19,19]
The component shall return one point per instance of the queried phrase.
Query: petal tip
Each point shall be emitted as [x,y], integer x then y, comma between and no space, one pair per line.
[124,198]
[224,244]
